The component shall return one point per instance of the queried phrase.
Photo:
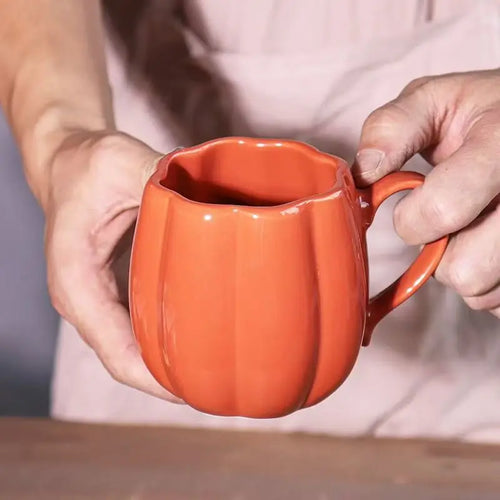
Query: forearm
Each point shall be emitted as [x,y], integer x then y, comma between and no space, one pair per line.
[52,77]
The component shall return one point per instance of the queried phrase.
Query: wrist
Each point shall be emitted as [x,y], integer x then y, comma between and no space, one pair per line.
[40,142]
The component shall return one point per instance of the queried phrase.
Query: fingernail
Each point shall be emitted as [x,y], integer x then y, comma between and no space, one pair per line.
[368,160]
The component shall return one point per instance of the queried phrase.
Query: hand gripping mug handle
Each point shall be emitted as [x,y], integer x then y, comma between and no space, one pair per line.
[420,270]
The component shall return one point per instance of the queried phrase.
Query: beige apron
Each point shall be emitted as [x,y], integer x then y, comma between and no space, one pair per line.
[313,71]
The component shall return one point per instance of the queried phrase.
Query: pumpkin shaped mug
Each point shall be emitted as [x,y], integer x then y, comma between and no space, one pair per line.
[249,274]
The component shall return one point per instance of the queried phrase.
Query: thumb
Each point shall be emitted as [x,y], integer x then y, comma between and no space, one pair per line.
[395,132]
[143,161]
[133,159]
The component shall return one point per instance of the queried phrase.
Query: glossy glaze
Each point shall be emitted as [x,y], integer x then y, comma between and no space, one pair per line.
[249,274]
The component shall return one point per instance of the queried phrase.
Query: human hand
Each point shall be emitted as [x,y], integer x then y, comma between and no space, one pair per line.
[454,122]
[94,191]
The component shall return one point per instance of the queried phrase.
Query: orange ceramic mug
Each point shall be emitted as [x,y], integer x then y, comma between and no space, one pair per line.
[249,275]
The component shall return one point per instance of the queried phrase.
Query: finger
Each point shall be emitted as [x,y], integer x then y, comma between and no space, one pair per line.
[97,314]
[134,160]
[106,326]
[114,344]
[395,132]
[454,193]
[489,301]
[471,263]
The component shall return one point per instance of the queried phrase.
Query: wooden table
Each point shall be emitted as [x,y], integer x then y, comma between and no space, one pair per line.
[44,459]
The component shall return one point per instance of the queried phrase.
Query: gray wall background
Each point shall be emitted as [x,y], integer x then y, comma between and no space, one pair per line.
[28,324]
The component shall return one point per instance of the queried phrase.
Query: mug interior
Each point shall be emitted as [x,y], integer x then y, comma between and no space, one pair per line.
[250,172]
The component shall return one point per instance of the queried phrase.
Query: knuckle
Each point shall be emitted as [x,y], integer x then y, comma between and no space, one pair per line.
[401,225]
[104,148]
[476,303]
[383,118]
[60,299]
[56,296]
[441,214]
[416,84]
[461,278]
[56,288]
[115,368]
[117,361]
[109,142]
[389,119]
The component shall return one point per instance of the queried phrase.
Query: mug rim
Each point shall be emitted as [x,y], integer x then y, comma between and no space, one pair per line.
[341,166]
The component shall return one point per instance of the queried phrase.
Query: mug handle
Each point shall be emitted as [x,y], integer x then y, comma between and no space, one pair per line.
[420,270]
